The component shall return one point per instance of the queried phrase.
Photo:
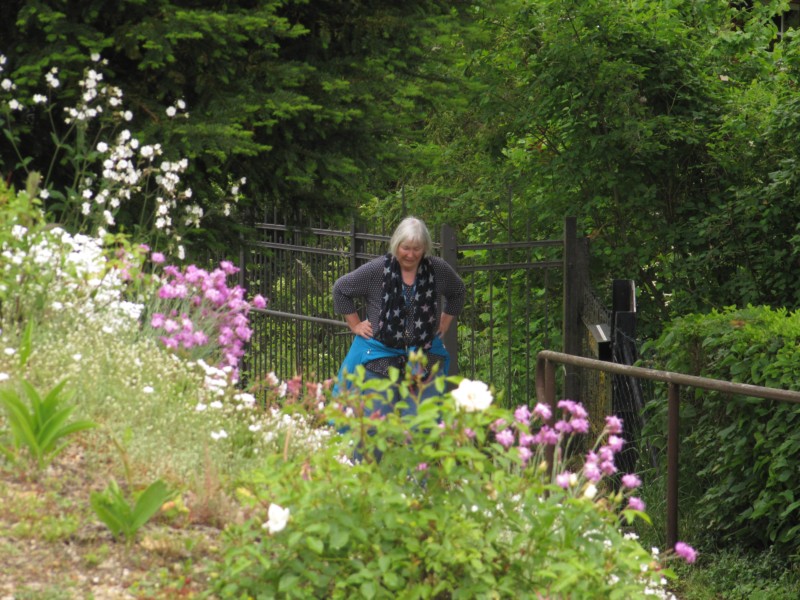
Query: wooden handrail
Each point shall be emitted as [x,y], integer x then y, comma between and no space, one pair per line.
[545,393]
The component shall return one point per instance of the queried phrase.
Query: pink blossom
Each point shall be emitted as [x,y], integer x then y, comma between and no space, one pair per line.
[169,342]
[171,326]
[592,472]
[525,454]
[469,433]
[522,415]
[635,503]
[505,438]
[499,423]
[422,466]
[214,295]
[579,425]
[573,408]
[608,467]
[542,411]
[613,425]
[259,301]
[294,386]
[547,436]
[686,552]
[228,267]
[157,320]
[563,427]
[157,258]
[615,443]
[526,439]
[631,481]
[562,479]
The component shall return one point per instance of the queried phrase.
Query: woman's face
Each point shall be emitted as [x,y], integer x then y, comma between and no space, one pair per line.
[409,254]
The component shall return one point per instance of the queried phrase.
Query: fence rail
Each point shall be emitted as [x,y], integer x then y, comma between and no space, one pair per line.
[545,392]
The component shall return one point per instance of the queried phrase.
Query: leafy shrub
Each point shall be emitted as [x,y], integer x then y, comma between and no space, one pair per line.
[745,452]
[460,505]
[40,429]
[123,518]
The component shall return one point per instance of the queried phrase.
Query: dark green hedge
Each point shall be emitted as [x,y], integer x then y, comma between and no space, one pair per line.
[740,457]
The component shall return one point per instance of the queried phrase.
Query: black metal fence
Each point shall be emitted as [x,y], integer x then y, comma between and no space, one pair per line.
[515,303]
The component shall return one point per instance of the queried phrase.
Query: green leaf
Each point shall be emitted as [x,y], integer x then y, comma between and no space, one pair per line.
[315,544]
[338,539]
[148,504]
[288,582]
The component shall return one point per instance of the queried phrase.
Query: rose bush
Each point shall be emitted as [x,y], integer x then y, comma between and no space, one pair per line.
[460,505]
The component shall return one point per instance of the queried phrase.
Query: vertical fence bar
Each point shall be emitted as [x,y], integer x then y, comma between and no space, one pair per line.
[450,255]
[509,316]
[673,436]
[573,290]
[550,395]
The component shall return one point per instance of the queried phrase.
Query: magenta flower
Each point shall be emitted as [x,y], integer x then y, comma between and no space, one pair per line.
[469,433]
[522,415]
[525,454]
[579,425]
[563,427]
[573,408]
[497,424]
[613,425]
[505,438]
[422,466]
[157,258]
[592,472]
[526,439]
[562,479]
[631,481]
[615,443]
[259,301]
[635,503]
[542,411]
[547,436]
[228,267]
[608,467]
[686,552]
[170,343]
[157,321]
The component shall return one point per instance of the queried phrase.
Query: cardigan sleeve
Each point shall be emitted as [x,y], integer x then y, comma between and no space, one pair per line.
[364,282]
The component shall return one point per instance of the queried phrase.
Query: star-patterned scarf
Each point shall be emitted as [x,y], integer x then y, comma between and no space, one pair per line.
[408,313]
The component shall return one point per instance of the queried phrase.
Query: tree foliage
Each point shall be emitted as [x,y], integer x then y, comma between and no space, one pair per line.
[665,127]
[307,100]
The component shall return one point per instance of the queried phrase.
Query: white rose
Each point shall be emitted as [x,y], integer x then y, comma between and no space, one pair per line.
[277,518]
[472,396]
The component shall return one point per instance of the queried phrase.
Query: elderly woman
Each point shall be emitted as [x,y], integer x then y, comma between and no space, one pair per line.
[403,293]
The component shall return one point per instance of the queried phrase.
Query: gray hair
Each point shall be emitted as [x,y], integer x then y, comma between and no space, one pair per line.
[413,230]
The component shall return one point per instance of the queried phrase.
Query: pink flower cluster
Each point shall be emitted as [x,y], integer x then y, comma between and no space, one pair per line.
[574,419]
[204,310]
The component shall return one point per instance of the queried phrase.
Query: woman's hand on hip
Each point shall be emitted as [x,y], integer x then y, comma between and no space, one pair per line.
[363,329]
